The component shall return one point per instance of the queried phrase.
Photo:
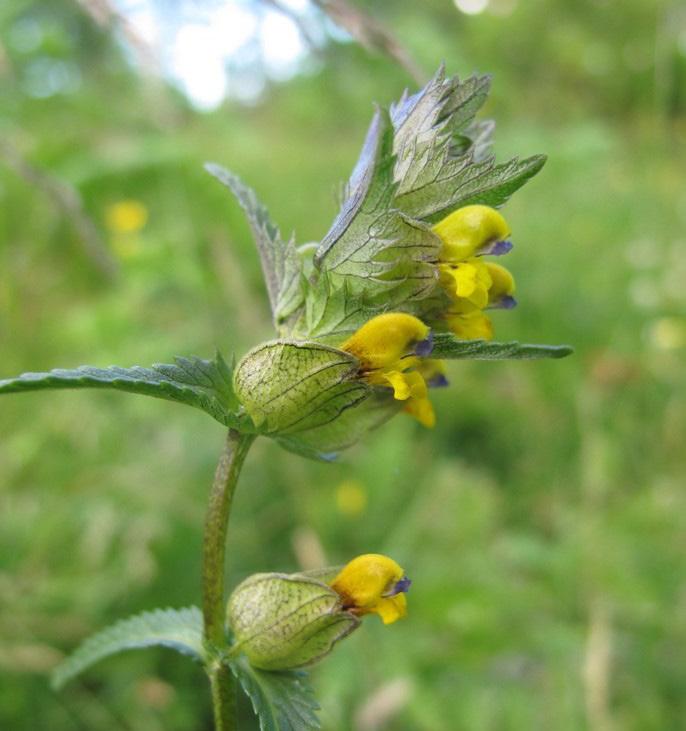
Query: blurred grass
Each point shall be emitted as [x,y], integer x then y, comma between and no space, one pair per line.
[542,521]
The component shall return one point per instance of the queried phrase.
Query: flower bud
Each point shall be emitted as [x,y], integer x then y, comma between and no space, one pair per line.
[283,621]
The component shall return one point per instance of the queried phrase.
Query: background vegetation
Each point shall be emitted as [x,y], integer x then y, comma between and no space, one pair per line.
[544,519]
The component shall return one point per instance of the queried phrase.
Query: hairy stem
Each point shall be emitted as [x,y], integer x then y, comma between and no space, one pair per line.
[213,571]
[223,686]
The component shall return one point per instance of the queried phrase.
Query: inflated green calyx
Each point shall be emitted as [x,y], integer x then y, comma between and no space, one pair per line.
[282,621]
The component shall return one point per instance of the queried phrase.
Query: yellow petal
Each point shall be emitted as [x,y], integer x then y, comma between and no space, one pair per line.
[401,387]
[391,608]
[385,339]
[502,282]
[458,279]
[417,384]
[470,326]
[422,410]
[468,280]
[469,229]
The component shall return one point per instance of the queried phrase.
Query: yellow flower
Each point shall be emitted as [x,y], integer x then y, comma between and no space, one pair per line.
[386,341]
[351,498]
[433,373]
[126,217]
[502,286]
[469,325]
[473,284]
[470,231]
[373,583]
[422,410]
[469,280]
[390,348]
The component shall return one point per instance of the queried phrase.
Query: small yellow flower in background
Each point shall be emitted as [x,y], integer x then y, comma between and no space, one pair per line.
[373,583]
[473,284]
[668,333]
[126,217]
[391,348]
[351,498]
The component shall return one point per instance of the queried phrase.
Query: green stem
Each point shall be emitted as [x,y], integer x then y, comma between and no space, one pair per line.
[213,571]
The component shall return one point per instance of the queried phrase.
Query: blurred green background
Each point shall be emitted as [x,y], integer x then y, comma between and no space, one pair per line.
[543,521]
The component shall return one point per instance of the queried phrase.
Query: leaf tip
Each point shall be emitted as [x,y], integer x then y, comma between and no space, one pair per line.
[211,167]
[562,351]
[536,162]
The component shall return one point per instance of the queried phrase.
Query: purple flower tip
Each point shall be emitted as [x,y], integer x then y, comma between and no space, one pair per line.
[506,302]
[402,586]
[438,381]
[497,248]
[424,347]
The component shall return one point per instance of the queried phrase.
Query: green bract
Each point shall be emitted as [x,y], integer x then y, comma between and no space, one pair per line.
[422,159]
[282,621]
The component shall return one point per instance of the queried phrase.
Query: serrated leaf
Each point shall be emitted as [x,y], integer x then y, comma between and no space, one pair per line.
[280,262]
[374,255]
[369,235]
[330,311]
[443,161]
[365,214]
[460,181]
[283,701]
[205,384]
[426,125]
[476,140]
[179,629]
[449,347]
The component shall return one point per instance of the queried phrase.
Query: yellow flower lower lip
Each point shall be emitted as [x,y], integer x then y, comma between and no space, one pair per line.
[391,609]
